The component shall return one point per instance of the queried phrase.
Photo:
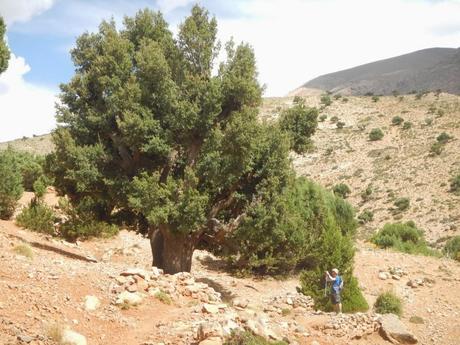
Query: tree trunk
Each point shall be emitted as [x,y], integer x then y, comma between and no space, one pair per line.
[171,252]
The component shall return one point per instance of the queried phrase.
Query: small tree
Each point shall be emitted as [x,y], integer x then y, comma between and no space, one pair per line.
[11,184]
[326,100]
[300,122]
[4,51]
[397,120]
[455,185]
[452,248]
[375,134]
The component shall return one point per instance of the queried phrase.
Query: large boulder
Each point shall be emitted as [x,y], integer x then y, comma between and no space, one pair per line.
[395,331]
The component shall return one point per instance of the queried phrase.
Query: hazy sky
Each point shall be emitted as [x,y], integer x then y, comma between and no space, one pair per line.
[294,41]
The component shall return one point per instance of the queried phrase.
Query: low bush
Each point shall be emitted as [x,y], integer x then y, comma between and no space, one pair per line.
[388,303]
[342,190]
[403,237]
[334,119]
[37,217]
[375,99]
[452,248]
[407,125]
[344,99]
[24,250]
[337,96]
[163,297]
[402,204]
[247,338]
[455,185]
[340,124]
[443,138]
[367,193]
[322,118]
[436,149]
[365,217]
[397,120]
[428,121]
[375,134]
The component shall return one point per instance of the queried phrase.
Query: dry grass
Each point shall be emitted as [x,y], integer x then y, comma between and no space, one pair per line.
[24,250]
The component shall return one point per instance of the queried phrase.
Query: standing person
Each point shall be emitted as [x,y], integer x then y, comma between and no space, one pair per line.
[336,289]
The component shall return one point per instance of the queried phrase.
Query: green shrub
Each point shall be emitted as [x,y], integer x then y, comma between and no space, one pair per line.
[341,190]
[402,204]
[326,100]
[455,185]
[322,118]
[428,121]
[163,297]
[294,230]
[443,138]
[407,125]
[24,250]
[344,99]
[416,319]
[37,217]
[436,149]
[247,338]
[334,119]
[300,122]
[340,124]
[397,120]
[375,134]
[375,99]
[82,221]
[403,237]
[337,96]
[452,248]
[366,194]
[366,216]
[388,303]
[11,188]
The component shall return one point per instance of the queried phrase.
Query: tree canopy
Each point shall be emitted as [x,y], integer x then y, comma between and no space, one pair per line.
[147,128]
[4,51]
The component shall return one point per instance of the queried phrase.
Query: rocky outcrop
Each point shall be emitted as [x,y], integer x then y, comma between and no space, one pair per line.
[392,329]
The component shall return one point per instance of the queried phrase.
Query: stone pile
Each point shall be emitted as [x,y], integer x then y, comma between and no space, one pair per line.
[392,272]
[285,303]
[352,326]
[418,282]
[138,282]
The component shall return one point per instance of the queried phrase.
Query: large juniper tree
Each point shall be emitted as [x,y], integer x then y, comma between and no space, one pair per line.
[148,130]
[4,51]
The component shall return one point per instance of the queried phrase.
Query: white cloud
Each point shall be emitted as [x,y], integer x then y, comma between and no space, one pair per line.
[297,40]
[23,10]
[170,5]
[25,109]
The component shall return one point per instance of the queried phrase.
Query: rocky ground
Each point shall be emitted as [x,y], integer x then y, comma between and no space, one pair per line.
[106,291]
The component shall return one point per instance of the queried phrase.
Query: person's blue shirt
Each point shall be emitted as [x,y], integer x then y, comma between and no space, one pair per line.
[337,284]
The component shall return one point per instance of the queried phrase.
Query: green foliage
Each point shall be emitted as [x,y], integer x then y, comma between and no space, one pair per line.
[403,237]
[342,190]
[397,120]
[388,303]
[300,122]
[344,100]
[337,96]
[452,248]
[82,221]
[402,204]
[11,184]
[294,230]
[37,217]
[367,193]
[4,51]
[375,99]
[163,297]
[375,134]
[366,216]
[247,338]
[340,124]
[322,118]
[334,119]
[326,100]
[428,121]
[455,185]
[407,125]
[443,138]
[436,148]
[417,320]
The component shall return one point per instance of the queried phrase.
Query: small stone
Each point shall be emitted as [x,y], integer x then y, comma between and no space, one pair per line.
[210,308]
[209,329]
[91,303]
[129,298]
[240,302]
[70,337]
[25,338]
[136,272]
[383,275]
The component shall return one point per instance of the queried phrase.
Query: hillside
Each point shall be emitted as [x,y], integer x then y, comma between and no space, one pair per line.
[40,144]
[397,166]
[428,69]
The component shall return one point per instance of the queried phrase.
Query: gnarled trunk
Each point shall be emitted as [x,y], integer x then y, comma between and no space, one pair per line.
[172,252]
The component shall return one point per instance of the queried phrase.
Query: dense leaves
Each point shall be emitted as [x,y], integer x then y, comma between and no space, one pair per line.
[388,303]
[11,184]
[4,51]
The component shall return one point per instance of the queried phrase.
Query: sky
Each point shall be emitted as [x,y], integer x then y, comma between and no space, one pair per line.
[294,41]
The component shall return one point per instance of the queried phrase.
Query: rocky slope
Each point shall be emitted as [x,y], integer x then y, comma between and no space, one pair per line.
[428,69]
[398,165]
